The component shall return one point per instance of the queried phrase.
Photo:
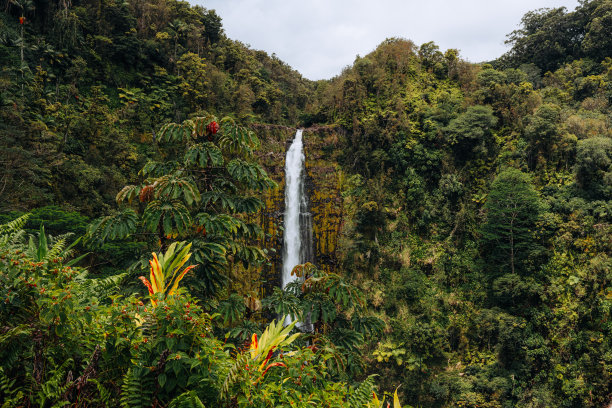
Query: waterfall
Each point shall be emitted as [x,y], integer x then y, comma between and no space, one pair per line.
[297,248]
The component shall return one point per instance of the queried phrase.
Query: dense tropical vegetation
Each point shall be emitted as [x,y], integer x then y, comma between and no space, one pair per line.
[473,265]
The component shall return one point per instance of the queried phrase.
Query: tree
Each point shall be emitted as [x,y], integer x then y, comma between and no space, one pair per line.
[193,71]
[543,134]
[201,190]
[471,132]
[551,37]
[512,210]
[594,166]
[545,38]
[212,25]
[432,59]
[598,39]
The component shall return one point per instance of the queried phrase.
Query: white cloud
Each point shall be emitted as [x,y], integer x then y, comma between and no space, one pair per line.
[320,37]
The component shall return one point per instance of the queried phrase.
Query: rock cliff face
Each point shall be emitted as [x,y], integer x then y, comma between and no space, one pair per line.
[324,182]
[323,186]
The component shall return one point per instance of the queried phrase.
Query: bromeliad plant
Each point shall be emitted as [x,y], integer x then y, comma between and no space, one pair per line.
[166,271]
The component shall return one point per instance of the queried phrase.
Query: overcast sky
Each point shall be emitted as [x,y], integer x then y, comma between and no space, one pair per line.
[320,37]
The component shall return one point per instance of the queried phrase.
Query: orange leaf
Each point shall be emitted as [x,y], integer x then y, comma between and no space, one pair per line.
[148,285]
[273,365]
[179,278]
[156,274]
[187,269]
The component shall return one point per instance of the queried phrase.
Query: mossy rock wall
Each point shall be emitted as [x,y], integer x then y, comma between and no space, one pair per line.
[323,186]
[274,144]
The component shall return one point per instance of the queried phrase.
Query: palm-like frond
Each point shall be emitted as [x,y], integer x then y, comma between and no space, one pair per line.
[173,216]
[204,155]
[175,186]
[128,193]
[118,225]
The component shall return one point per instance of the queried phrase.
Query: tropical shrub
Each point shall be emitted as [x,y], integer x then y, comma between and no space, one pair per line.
[67,339]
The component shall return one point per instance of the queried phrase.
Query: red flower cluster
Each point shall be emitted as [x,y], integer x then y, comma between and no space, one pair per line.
[21,20]
[147,193]
[212,127]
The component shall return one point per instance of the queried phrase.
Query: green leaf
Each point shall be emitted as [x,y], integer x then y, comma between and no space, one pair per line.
[41,253]
[204,155]
[172,187]
[128,193]
[118,225]
[174,214]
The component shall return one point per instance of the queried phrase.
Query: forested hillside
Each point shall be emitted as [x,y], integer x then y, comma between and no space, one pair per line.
[480,213]
[463,216]
[85,86]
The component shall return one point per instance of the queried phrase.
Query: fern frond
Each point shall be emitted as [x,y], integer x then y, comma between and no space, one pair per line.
[17,331]
[15,225]
[12,232]
[187,399]
[233,374]
[104,394]
[54,388]
[8,392]
[362,395]
[59,247]
[100,288]
[137,388]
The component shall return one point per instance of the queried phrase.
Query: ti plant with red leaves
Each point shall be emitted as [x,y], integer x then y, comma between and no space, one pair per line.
[166,272]
[274,337]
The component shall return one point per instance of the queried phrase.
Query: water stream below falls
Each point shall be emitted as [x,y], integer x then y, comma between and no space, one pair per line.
[297,248]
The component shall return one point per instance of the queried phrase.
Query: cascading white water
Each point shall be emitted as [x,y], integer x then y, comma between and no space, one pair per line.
[297,247]
[293,192]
